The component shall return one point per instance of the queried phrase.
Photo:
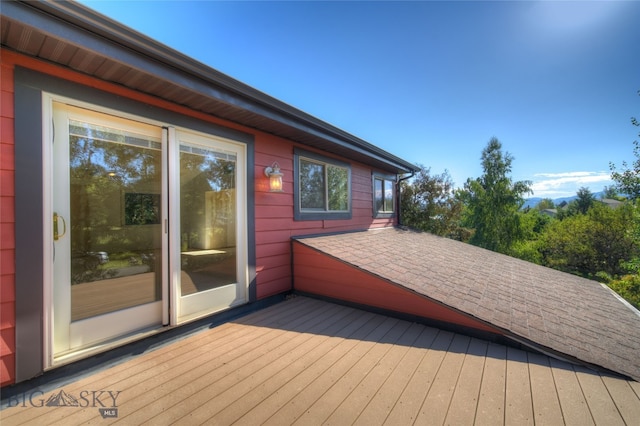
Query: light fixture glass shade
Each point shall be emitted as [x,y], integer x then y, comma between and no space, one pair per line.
[275,182]
[275,178]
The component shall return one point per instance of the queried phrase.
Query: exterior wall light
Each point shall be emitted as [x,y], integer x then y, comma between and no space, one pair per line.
[275,177]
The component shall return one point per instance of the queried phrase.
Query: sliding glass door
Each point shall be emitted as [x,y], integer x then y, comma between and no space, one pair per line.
[211,270]
[148,227]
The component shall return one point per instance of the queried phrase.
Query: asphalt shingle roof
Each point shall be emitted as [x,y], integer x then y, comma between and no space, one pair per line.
[542,307]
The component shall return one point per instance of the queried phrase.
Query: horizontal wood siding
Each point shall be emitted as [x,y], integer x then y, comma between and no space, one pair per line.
[7,228]
[274,213]
[317,273]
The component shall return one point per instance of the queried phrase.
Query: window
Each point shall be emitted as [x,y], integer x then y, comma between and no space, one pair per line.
[384,189]
[322,187]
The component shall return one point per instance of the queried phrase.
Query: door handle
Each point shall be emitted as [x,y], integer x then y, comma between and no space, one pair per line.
[56,235]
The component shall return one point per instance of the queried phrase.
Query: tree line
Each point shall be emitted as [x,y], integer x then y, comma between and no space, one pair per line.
[587,237]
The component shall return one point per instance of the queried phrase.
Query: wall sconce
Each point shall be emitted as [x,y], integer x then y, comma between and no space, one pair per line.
[275,177]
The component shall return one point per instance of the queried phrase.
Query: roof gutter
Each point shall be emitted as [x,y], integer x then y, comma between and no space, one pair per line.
[399,195]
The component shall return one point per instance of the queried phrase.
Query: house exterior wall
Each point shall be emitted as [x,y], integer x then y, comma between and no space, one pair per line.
[274,223]
[320,274]
[7,227]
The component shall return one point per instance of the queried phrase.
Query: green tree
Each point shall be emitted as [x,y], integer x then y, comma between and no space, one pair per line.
[584,201]
[614,244]
[627,286]
[565,245]
[546,203]
[492,201]
[533,224]
[428,204]
[628,180]
[581,205]
[592,243]
[611,192]
[633,265]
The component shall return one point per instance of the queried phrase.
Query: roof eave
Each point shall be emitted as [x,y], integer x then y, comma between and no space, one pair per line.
[91,31]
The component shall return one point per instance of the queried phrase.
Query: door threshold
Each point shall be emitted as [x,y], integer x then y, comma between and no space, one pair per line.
[78,354]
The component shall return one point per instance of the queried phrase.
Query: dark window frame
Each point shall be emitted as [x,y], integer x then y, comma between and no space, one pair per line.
[312,214]
[377,213]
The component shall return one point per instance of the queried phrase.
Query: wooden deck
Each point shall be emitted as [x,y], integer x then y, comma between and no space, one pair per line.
[309,362]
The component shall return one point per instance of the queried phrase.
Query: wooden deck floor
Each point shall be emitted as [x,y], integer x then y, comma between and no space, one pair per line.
[310,362]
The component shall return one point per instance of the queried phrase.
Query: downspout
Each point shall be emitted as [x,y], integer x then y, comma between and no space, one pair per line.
[398,195]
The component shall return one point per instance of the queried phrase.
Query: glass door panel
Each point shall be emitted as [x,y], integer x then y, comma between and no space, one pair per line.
[207,218]
[115,217]
[108,201]
[209,272]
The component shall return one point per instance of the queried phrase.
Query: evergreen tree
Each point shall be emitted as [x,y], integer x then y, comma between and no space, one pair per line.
[584,201]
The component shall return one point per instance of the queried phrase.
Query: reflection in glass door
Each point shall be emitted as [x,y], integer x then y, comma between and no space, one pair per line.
[114,219]
[207,219]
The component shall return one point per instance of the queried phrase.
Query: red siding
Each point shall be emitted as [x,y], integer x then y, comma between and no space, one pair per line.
[273,211]
[7,228]
[323,275]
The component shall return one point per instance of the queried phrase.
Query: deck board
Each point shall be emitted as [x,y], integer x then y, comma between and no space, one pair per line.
[343,387]
[602,407]
[491,403]
[307,371]
[219,376]
[338,363]
[436,404]
[518,407]
[265,397]
[309,362]
[462,410]
[624,395]
[412,398]
[233,403]
[388,395]
[575,410]
[350,409]
[546,404]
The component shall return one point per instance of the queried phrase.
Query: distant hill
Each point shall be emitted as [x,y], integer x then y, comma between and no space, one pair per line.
[533,201]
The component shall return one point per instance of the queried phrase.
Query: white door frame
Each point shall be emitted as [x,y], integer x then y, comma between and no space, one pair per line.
[170,303]
[197,305]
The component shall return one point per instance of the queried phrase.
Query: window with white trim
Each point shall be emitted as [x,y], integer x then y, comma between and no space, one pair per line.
[322,187]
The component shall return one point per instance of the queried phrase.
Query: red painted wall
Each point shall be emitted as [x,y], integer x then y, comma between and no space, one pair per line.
[7,227]
[317,273]
[274,215]
[273,211]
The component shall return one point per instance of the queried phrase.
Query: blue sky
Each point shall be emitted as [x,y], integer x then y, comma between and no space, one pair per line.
[432,82]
